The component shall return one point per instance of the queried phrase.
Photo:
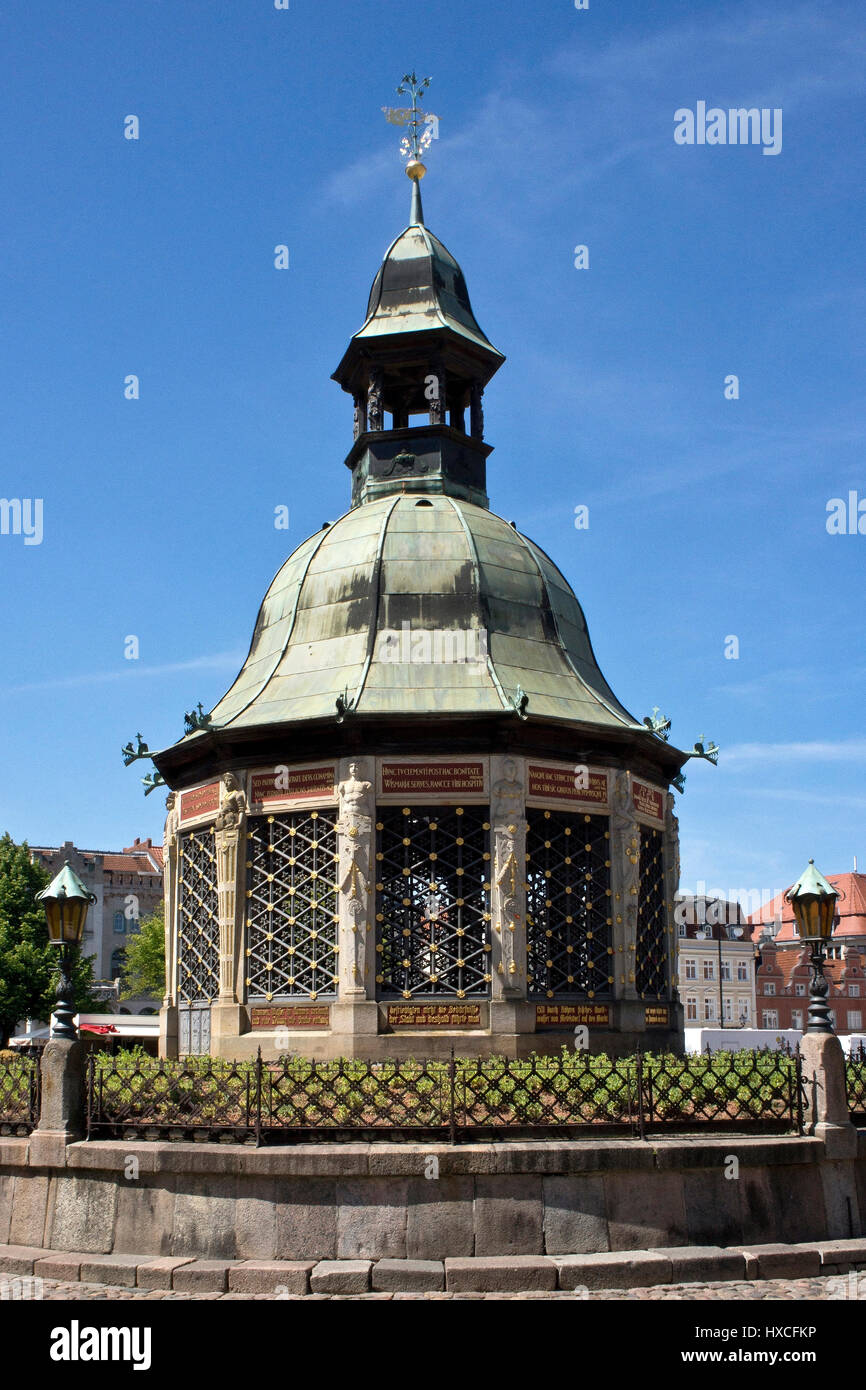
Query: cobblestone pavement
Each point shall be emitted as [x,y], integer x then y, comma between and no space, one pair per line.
[778,1290]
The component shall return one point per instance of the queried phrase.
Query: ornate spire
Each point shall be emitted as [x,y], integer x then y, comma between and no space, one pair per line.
[420,127]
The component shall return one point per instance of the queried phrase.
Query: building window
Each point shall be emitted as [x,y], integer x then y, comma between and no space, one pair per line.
[855,1020]
[771,1018]
[118,963]
[742,971]
[745,1011]
[691,970]
[709,1010]
[797,1019]
[854,991]
[709,969]
[119,924]
[770,987]
[292,906]
[681,929]
[728,1010]
[691,1010]
[726,970]
[799,990]
[433,892]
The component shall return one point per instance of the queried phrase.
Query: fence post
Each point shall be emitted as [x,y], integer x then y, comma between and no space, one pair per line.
[641,1129]
[62,1110]
[259,1097]
[452,1117]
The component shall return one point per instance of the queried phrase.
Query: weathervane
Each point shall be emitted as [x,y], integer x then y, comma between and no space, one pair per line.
[422,126]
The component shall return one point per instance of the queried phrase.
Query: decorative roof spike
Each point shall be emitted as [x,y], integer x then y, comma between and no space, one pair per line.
[658,723]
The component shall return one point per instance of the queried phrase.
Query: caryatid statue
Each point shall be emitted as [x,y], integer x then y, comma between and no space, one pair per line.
[233,804]
[355,825]
[626,836]
[506,811]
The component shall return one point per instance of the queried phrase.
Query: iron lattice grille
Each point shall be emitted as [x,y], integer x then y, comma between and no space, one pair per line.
[433,884]
[198,919]
[651,972]
[291,949]
[568,905]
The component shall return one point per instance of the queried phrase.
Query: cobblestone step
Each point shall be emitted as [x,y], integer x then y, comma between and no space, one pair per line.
[578,1275]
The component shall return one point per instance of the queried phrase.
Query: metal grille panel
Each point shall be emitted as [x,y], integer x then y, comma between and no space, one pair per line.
[651,970]
[568,905]
[291,949]
[198,918]
[433,910]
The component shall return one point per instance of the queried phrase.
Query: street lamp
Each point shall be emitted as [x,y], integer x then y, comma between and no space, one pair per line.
[66,901]
[813,900]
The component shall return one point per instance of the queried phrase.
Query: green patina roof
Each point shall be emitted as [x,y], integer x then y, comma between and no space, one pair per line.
[420,286]
[438,563]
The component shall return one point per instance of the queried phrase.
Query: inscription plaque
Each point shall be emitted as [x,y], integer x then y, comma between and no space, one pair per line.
[434,1015]
[657,1016]
[291,783]
[424,779]
[201,801]
[291,1016]
[559,784]
[570,1015]
[648,801]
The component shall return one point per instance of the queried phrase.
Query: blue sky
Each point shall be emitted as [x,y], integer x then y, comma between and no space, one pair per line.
[260,127]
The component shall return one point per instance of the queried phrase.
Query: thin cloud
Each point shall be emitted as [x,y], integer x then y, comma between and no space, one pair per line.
[844,751]
[218,662]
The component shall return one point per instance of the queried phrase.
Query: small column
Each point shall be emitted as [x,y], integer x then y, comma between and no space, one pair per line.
[435,389]
[476,411]
[168,1022]
[672,883]
[375,401]
[625,883]
[355,1011]
[229,831]
[509,1010]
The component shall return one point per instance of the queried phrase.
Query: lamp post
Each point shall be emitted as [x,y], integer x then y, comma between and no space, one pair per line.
[813,900]
[66,901]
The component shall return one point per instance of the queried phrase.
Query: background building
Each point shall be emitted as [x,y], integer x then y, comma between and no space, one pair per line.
[775,922]
[716,963]
[128,887]
[783,988]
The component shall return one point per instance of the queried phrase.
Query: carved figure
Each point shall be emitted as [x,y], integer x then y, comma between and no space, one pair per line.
[356,797]
[233,804]
[507,796]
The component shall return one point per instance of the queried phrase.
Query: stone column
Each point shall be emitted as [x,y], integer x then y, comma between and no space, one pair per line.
[509,1010]
[625,883]
[227,1015]
[62,1111]
[355,1012]
[826,1100]
[168,1024]
[476,411]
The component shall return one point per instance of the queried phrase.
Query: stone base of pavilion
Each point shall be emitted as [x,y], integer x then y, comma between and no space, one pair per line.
[366,1029]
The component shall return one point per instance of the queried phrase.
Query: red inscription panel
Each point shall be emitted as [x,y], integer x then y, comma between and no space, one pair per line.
[570,1015]
[648,801]
[202,801]
[291,1016]
[566,784]
[658,1016]
[432,779]
[434,1015]
[291,783]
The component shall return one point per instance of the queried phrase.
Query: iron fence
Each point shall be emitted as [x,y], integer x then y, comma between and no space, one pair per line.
[568,1095]
[19,1095]
[855,1086]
